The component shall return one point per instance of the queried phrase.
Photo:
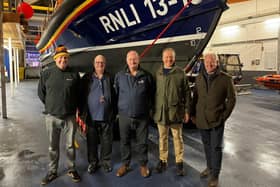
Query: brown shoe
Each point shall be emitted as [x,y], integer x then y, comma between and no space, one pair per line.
[144,170]
[213,182]
[122,170]
[205,173]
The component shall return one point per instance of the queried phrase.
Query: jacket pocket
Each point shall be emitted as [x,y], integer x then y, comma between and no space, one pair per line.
[172,113]
[213,115]
[158,114]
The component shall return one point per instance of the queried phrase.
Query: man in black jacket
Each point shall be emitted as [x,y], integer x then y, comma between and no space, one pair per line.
[58,90]
[135,90]
[98,109]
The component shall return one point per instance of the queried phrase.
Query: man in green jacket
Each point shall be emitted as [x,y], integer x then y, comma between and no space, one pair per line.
[214,99]
[172,103]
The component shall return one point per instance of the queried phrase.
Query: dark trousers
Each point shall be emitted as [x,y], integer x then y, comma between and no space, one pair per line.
[99,132]
[140,126]
[213,141]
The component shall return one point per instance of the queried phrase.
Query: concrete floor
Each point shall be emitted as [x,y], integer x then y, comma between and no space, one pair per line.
[251,148]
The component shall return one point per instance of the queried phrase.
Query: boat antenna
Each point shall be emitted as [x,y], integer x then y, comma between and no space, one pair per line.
[165,29]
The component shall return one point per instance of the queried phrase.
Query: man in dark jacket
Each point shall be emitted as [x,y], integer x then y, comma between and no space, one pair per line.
[134,88]
[58,90]
[172,107]
[99,111]
[214,99]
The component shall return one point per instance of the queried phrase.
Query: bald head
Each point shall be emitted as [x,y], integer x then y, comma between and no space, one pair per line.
[99,64]
[132,60]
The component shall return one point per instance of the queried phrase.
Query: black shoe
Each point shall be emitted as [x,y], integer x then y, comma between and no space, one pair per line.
[213,181]
[48,178]
[205,173]
[180,169]
[107,167]
[74,175]
[92,168]
[161,166]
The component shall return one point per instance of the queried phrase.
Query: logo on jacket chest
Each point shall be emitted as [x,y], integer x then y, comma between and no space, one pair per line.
[140,81]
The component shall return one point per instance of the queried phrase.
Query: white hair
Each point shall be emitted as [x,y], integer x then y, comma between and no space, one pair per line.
[210,52]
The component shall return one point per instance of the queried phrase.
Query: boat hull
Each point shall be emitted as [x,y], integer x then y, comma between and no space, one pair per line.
[116,57]
[270,81]
[188,35]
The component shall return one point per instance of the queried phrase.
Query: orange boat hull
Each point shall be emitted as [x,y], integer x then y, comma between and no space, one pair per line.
[270,81]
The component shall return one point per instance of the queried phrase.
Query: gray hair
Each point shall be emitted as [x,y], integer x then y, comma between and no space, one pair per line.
[103,57]
[212,54]
[169,49]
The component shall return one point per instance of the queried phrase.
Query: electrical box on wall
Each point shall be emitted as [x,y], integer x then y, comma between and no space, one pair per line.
[255,62]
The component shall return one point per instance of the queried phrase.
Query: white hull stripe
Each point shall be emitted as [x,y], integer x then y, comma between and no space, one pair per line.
[198,36]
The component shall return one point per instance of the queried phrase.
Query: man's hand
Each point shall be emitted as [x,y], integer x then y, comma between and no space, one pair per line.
[193,120]
[186,117]
[77,114]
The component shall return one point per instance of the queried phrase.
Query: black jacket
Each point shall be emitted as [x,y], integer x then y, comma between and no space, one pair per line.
[135,94]
[59,91]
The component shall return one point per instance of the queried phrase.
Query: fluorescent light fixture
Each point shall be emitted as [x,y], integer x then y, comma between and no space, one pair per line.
[272,21]
[230,28]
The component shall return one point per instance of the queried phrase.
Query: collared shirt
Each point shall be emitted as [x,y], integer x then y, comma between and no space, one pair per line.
[98,99]
[210,77]
[166,70]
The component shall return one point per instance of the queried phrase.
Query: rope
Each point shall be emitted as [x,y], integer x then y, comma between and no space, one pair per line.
[165,29]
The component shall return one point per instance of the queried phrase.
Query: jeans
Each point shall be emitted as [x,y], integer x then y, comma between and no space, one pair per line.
[54,127]
[213,144]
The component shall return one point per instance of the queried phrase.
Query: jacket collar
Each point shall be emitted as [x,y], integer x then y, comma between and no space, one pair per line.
[174,68]
[211,76]
[139,72]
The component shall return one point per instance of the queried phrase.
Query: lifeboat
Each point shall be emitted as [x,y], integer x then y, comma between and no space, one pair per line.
[270,81]
[113,27]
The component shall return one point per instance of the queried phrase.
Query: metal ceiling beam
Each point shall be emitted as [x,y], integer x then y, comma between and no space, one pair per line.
[34,7]
[235,1]
[31,1]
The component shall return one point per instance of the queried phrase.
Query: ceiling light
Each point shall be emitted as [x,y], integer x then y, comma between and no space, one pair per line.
[272,21]
[230,28]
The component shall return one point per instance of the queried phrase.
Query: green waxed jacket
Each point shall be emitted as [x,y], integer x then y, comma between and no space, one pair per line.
[172,99]
[213,105]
